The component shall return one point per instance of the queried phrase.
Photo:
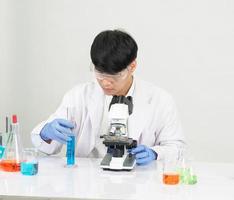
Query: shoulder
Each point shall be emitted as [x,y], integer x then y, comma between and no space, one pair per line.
[151,90]
[82,91]
[159,98]
[83,88]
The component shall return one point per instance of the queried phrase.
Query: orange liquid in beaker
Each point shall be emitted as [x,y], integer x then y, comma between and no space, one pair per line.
[10,166]
[171,178]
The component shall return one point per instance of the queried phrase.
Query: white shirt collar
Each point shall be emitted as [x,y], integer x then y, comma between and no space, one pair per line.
[132,88]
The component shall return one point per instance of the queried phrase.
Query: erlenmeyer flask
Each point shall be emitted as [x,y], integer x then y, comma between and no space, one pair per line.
[12,155]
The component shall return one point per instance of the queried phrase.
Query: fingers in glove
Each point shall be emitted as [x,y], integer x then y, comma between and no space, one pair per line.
[60,137]
[65,123]
[143,154]
[65,131]
[143,161]
[138,149]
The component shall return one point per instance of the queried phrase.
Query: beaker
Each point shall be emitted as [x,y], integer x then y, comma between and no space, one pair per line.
[29,163]
[170,173]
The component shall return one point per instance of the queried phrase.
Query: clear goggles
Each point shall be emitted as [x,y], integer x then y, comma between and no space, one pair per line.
[111,77]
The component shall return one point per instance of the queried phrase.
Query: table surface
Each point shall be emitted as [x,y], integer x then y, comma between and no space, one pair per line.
[89,181]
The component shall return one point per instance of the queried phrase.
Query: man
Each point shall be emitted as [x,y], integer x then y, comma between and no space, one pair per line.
[154,122]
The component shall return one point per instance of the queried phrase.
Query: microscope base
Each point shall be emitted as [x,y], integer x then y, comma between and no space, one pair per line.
[125,163]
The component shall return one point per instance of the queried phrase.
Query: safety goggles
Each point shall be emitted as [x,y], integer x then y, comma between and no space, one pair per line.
[111,77]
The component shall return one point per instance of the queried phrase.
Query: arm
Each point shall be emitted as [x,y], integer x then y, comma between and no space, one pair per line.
[53,145]
[167,132]
[169,136]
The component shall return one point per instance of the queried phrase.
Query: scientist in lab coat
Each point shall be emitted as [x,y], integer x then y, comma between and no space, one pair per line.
[154,122]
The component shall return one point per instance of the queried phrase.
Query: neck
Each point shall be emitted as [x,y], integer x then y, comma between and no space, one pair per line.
[127,88]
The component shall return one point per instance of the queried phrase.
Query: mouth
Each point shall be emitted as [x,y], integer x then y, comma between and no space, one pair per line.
[107,90]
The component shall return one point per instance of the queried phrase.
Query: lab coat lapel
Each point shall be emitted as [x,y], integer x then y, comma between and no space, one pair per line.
[95,110]
[141,110]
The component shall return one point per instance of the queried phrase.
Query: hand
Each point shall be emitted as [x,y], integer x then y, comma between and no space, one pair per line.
[59,130]
[144,154]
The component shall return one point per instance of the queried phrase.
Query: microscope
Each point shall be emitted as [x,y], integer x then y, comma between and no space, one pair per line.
[116,140]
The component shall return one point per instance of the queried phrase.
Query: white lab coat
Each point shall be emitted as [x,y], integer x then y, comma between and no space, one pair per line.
[154,121]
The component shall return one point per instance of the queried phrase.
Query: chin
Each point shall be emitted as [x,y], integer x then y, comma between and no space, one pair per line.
[109,92]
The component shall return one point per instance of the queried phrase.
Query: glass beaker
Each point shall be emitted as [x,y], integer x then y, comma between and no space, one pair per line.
[170,173]
[29,163]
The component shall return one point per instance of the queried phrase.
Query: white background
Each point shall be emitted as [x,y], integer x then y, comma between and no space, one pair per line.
[185,47]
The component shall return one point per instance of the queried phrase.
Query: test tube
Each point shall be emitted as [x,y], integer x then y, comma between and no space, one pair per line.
[7,124]
[0,138]
[70,153]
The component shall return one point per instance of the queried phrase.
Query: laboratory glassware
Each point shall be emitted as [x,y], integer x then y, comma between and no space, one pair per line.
[170,170]
[13,151]
[29,163]
[186,168]
[3,137]
[71,145]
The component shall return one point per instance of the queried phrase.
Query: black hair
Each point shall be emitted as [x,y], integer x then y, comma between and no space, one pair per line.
[112,51]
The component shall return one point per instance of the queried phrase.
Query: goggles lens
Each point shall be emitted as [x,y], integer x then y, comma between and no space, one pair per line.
[116,77]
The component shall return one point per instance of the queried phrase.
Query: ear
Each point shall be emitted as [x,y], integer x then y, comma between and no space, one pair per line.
[133,66]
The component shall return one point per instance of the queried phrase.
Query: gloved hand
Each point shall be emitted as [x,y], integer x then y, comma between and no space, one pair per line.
[59,130]
[144,154]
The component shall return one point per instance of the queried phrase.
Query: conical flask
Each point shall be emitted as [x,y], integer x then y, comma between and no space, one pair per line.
[13,152]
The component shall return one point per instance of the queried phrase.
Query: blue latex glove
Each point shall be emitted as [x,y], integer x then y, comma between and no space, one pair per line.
[59,130]
[144,154]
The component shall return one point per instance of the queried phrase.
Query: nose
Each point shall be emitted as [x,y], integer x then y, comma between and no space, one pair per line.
[106,83]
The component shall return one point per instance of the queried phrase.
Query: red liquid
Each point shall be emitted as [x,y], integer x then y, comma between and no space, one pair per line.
[171,179]
[10,166]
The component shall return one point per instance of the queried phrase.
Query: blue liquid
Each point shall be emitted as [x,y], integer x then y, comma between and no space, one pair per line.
[28,168]
[71,151]
[2,150]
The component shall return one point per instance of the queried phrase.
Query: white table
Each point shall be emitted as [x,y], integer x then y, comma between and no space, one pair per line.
[88,181]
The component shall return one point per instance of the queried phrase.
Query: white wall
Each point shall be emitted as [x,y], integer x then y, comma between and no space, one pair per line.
[185,46]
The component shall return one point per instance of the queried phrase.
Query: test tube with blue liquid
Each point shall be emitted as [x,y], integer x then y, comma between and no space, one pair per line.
[70,153]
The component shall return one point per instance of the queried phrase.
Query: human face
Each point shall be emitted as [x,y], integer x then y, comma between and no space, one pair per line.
[111,77]
[117,84]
